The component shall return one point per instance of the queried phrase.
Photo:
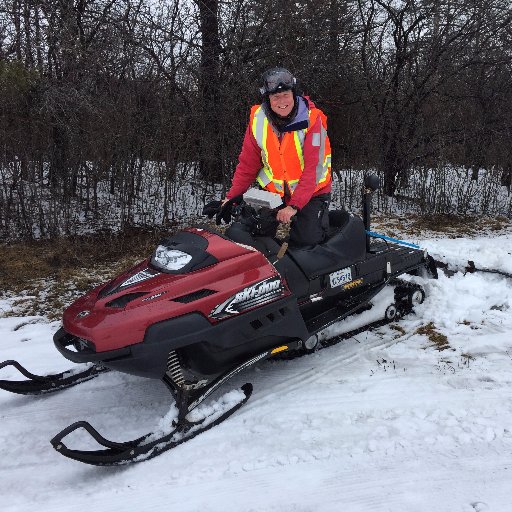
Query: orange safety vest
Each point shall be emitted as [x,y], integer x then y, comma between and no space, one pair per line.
[283,161]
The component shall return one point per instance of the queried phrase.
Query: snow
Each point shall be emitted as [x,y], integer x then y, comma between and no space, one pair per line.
[383,421]
[459,251]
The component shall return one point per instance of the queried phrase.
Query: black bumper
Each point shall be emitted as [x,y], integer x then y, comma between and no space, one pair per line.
[205,349]
[63,340]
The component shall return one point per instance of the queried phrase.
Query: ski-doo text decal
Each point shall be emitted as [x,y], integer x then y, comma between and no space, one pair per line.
[248,298]
[153,296]
[340,277]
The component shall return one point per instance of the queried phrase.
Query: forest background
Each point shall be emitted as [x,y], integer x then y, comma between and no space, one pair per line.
[125,104]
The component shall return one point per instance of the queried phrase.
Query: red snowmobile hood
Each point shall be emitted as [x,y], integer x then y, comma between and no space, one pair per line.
[117,314]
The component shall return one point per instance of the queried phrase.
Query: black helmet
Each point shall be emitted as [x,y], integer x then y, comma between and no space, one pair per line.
[277,80]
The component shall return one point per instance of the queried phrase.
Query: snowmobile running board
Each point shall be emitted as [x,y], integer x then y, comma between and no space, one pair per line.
[151,445]
[38,384]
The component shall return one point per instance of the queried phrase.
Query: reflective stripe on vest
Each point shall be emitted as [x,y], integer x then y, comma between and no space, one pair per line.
[324,162]
[272,154]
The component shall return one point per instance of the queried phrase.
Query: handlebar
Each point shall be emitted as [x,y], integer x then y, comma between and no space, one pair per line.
[259,221]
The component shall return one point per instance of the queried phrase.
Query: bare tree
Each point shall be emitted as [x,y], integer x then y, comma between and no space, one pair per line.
[409,50]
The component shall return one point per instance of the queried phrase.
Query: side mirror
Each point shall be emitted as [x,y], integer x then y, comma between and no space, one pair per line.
[371,182]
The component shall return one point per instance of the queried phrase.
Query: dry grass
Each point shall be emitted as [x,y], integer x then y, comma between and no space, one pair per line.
[459,226]
[399,329]
[453,226]
[438,340]
[46,276]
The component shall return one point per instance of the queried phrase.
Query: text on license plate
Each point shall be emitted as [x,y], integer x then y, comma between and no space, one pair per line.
[340,277]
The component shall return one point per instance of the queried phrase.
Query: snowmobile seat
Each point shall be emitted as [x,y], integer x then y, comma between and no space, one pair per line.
[338,219]
[346,246]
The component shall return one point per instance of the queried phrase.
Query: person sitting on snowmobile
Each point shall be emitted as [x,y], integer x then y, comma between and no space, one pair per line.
[287,150]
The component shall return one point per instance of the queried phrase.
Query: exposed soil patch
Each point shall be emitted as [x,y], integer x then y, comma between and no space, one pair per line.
[399,329]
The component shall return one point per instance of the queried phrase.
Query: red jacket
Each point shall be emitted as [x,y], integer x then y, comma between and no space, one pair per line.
[249,164]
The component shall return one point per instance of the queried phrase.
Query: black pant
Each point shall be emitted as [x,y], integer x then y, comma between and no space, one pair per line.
[310,225]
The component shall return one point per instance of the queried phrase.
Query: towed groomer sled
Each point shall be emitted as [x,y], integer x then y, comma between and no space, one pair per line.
[206,306]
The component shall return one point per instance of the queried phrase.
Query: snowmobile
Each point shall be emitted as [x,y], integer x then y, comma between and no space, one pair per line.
[206,306]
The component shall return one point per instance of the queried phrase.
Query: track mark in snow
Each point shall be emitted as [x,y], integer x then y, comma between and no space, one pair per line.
[313,367]
[19,326]
[480,506]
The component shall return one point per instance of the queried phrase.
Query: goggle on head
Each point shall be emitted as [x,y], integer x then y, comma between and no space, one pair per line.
[277,80]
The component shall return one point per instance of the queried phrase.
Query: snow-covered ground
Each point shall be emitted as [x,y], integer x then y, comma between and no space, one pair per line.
[383,421]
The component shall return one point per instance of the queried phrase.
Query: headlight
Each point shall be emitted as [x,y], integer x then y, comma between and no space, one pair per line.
[170,259]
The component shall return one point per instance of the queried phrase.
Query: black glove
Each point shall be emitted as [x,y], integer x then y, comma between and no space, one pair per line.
[212,208]
[267,223]
[225,212]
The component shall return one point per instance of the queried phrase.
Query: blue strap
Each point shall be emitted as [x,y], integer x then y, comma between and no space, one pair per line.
[395,240]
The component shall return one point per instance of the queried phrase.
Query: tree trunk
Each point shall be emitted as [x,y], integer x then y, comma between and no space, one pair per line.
[210,151]
[506,178]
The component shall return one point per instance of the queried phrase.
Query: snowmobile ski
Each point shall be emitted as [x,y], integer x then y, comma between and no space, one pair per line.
[151,445]
[145,447]
[41,384]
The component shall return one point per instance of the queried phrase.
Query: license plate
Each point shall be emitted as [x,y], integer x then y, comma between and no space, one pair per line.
[340,277]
